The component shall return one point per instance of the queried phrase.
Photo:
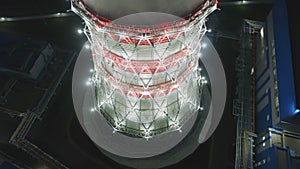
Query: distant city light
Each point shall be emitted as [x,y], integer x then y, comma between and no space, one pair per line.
[297,111]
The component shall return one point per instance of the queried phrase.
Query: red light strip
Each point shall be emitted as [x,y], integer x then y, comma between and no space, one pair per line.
[138,91]
[138,66]
[154,40]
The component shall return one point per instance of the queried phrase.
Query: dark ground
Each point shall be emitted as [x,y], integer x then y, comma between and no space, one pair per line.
[59,132]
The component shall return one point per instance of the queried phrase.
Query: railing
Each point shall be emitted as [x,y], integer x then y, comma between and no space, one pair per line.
[18,139]
[6,90]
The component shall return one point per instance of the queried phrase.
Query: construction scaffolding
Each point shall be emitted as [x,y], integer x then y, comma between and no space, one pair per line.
[244,103]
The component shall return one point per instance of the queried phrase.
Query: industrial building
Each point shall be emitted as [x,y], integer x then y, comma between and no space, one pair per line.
[260,127]
[277,92]
[267,106]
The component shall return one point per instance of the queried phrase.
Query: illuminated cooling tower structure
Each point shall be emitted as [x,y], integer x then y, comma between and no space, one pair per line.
[146,77]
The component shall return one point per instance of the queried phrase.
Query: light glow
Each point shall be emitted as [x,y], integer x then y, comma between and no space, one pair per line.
[262,32]
[87,46]
[88,83]
[79,31]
